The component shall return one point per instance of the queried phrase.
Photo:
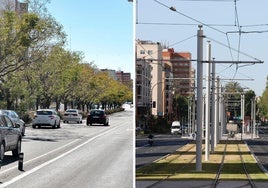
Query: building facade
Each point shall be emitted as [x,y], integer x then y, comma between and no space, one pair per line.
[13,5]
[151,53]
[183,73]
[123,77]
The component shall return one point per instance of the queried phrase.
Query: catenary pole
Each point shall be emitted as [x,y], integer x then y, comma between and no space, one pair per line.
[199,98]
[213,109]
[217,111]
[207,114]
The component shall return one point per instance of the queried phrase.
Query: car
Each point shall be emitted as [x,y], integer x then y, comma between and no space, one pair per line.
[15,118]
[97,116]
[10,137]
[72,115]
[176,127]
[46,117]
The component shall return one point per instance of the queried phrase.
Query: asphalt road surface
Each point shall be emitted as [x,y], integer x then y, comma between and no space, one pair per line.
[75,155]
[162,146]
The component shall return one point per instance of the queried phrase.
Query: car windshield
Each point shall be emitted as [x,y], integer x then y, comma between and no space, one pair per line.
[96,113]
[71,111]
[175,127]
[43,112]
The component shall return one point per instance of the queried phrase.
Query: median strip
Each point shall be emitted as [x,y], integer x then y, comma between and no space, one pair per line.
[181,165]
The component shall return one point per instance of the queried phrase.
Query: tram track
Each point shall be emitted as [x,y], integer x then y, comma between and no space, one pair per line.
[218,181]
[190,161]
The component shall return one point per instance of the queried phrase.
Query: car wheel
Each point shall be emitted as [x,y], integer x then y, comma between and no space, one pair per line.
[2,152]
[55,125]
[17,151]
[34,126]
[23,131]
[59,125]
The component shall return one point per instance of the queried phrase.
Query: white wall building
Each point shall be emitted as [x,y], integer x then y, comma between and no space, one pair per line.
[151,53]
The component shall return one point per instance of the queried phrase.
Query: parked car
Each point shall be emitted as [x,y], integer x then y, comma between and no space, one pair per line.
[10,136]
[72,115]
[46,117]
[97,117]
[15,118]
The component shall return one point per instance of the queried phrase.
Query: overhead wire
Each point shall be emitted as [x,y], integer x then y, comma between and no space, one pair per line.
[202,23]
[220,31]
[239,38]
[174,44]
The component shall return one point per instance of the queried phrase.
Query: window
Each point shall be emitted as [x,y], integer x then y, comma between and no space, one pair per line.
[2,122]
[9,122]
[44,112]
[150,52]
[142,51]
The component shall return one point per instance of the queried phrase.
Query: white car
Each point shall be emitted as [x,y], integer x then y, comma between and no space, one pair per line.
[46,117]
[72,115]
[176,127]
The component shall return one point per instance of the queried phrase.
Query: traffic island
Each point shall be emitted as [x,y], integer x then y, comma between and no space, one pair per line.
[181,164]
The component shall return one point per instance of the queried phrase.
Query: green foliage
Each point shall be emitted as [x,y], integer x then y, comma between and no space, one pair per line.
[36,69]
[181,106]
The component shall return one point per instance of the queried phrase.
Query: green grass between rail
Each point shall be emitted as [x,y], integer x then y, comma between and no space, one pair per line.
[181,165]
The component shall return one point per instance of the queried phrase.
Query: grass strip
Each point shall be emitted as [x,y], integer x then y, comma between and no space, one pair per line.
[181,165]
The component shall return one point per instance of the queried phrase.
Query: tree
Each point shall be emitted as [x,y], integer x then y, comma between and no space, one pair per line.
[25,40]
[181,107]
[263,103]
[249,95]
[233,92]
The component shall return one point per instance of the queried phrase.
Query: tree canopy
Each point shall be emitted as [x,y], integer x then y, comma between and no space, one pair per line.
[37,71]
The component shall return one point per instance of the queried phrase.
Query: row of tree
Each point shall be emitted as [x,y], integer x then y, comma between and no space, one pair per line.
[36,70]
[263,103]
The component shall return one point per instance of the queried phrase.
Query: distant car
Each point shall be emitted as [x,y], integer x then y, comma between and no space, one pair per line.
[176,127]
[72,115]
[46,117]
[10,136]
[15,118]
[97,117]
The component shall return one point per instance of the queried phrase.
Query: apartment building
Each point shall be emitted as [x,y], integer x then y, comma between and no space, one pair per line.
[183,73]
[150,53]
[124,77]
[13,5]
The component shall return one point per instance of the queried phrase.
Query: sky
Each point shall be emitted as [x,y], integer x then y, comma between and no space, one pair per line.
[102,30]
[221,19]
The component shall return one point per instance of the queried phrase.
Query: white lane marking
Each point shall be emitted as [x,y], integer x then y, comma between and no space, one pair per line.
[142,146]
[40,156]
[53,160]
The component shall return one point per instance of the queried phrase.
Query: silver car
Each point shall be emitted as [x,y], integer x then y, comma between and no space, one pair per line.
[72,115]
[15,118]
[10,137]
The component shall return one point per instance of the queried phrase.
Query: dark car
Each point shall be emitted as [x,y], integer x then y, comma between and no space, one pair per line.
[97,117]
[15,118]
[10,136]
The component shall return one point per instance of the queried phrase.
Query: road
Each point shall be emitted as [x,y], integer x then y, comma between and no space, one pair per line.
[75,155]
[162,146]
[260,147]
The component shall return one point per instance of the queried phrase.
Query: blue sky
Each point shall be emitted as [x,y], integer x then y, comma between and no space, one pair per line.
[153,16]
[102,30]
